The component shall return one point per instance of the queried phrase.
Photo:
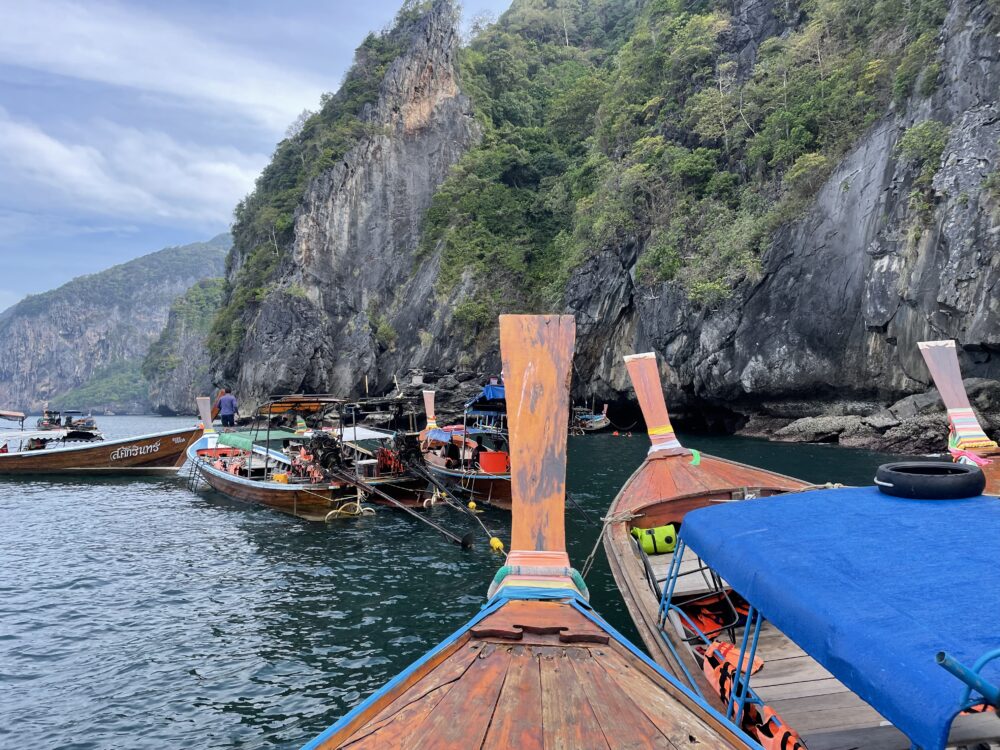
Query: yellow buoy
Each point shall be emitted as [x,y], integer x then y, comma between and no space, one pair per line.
[472,505]
[496,545]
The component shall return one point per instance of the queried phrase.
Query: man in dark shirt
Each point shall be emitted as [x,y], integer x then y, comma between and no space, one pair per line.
[227,408]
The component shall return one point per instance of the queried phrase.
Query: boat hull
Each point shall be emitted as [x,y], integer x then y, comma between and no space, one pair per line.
[663,490]
[493,489]
[311,502]
[159,453]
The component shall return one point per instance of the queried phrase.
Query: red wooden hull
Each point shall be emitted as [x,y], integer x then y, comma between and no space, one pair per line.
[312,502]
[160,453]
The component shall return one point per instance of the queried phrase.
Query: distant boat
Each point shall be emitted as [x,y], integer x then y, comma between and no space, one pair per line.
[52,451]
[967,442]
[72,422]
[536,667]
[473,456]
[587,420]
[316,475]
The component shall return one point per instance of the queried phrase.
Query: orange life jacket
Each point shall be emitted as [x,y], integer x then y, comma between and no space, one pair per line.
[720,674]
[770,729]
[730,652]
[712,613]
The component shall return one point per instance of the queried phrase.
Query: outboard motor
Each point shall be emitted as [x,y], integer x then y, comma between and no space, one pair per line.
[326,451]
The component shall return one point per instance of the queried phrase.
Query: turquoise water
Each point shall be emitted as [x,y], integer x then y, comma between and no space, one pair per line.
[136,613]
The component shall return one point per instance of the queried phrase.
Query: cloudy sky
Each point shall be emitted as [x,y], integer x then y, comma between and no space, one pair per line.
[130,126]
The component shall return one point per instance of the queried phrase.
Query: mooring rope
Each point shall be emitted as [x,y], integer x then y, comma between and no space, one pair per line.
[621,517]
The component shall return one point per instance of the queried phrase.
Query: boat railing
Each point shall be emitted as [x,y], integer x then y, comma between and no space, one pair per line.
[973,678]
[741,692]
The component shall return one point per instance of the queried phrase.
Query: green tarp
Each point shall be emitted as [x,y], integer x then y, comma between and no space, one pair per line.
[246,440]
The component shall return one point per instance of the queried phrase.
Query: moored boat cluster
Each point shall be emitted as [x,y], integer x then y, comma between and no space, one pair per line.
[774,612]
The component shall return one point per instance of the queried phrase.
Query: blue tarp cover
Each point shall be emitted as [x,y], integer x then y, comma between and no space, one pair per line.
[489,393]
[445,436]
[871,586]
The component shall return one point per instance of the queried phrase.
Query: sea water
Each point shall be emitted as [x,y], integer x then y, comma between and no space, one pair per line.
[138,613]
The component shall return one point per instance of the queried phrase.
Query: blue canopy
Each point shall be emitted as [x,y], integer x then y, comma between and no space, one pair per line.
[870,586]
[445,436]
[489,393]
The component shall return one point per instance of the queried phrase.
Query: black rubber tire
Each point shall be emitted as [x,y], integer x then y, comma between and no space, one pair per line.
[930,480]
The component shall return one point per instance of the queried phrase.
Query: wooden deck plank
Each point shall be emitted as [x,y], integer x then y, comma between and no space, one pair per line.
[624,724]
[966,730]
[692,583]
[806,688]
[838,710]
[788,671]
[443,675]
[518,715]
[461,718]
[568,720]
[672,718]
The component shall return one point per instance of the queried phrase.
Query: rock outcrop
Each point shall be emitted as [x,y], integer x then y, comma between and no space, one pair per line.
[846,291]
[826,332]
[356,301]
[95,330]
[177,366]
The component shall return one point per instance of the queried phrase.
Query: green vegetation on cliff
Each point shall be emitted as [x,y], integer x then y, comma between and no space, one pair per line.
[117,286]
[191,316]
[610,123]
[264,220]
[120,385]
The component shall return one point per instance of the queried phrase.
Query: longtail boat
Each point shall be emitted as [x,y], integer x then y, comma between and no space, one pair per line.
[474,457]
[850,618]
[587,420]
[536,667]
[44,452]
[641,525]
[312,474]
[967,442]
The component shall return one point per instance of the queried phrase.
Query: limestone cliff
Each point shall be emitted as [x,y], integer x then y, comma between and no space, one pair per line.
[177,364]
[846,291]
[593,175]
[353,286]
[81,345]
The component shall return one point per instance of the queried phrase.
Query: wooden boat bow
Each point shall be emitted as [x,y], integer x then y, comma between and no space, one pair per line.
[537,667]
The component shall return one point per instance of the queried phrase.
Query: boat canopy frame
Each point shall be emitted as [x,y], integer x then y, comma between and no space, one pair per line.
[817,566]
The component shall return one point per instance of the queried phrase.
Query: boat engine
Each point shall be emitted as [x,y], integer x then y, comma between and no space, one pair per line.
[327,452]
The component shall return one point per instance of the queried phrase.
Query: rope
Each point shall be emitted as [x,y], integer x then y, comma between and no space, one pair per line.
[622,517]
[626,429]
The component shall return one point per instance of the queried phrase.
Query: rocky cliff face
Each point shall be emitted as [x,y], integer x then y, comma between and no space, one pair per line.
[97,328]
[355,289]
[177,364]
[878,258]
[847,290]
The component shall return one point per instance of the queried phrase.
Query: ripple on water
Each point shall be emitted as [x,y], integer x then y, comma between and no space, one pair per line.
[139,614]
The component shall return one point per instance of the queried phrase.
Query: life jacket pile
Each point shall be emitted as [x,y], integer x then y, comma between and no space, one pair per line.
[762,722]
[713,614]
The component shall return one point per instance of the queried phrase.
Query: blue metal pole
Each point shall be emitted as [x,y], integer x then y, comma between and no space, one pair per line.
[971,678]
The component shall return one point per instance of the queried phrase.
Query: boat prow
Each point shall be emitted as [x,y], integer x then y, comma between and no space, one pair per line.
[537,667]
[967,441]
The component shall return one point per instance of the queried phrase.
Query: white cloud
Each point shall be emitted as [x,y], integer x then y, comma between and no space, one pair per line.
[122,172]
[110,44]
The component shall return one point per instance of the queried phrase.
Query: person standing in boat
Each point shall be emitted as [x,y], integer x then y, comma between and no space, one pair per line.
[228,408]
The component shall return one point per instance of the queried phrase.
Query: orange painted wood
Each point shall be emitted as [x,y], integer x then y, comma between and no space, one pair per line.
[623,722]
[462,717]
[517,720]
[360,723]
[568,719]
[445,673]
[518,617]
[645,375]
[537,353]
